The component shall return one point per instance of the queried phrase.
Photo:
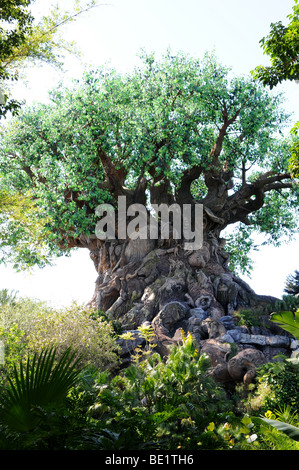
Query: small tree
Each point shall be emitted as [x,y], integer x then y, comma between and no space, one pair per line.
[292,284]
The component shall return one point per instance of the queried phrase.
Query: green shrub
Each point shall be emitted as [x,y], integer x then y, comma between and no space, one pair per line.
[279,430]
[44,405]
[22,312]
[30,325]
[76,327]
[168,404]
[277,387]
[14,348]
[249,317]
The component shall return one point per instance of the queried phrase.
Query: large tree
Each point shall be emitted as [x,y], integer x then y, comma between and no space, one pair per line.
[175,130]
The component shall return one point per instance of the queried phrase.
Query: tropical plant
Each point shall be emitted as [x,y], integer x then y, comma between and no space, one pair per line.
[165,404]
[289,321]
[279,430]
[277,386]
[42,384]
[288,429]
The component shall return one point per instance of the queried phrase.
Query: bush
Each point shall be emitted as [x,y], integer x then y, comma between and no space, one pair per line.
[36,326]
[277,387]
[75,326]
[164,404]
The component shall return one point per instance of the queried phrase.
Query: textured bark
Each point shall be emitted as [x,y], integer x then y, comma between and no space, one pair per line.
[138,278]
[159,283]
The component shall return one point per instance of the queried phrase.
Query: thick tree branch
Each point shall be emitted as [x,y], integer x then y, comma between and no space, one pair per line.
[250,197]
[183,195]
[115,177]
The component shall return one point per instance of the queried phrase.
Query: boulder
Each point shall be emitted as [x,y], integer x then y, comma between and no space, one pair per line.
[216,351]
[242,367]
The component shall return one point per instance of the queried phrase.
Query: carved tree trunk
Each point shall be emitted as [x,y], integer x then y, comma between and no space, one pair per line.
[146,281]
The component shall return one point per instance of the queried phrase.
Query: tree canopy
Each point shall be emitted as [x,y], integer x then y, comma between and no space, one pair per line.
[176,129]
[282,47]
[25,41]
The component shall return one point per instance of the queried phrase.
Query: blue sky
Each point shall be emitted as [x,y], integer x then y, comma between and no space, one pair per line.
[114,33]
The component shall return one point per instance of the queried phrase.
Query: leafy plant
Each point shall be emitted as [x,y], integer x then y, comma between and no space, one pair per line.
[42,384]
[291,431]
[165,404]
[7,297]
[76,325]
[280,426]
[249,317]
[289,321]
[277,386]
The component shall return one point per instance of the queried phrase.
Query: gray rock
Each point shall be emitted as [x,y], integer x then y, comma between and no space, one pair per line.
[294,344]
[278,341]
[228,322]
[198,313]
[253,339]
[235,334]
[128,345]
[227,338]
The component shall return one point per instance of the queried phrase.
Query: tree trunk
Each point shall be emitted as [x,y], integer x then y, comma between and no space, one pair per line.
[146,281]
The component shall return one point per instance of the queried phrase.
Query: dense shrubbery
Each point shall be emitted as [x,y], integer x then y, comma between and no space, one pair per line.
[277,387]
[152,404]
[29,326]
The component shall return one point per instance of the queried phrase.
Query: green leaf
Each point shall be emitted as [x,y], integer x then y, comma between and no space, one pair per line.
[43,382]
[289,321]
[291,431]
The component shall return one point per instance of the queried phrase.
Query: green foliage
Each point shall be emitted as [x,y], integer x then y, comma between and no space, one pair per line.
[289,321]
[277,387]
[17,18]
[292,283]
[91,337]
[165,404]
[294,160]
[22,231]
[249,317]
[24,41]
[12,339]
[278,430]
[239,245]
[282,47]
[41,326]
[7,297]
[48,403]
[43,383]
[287,302]
[291,431]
